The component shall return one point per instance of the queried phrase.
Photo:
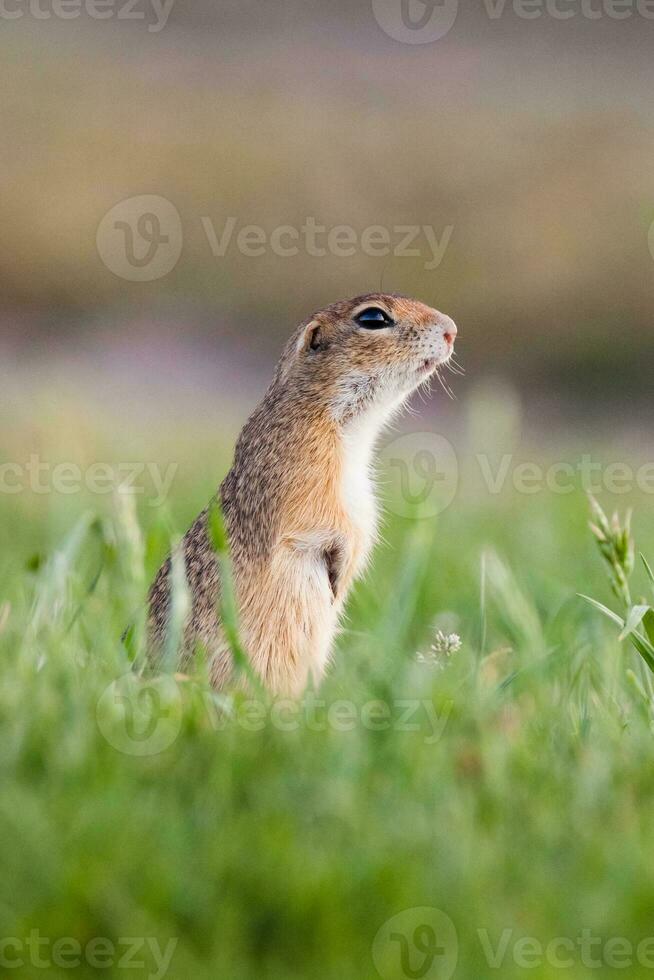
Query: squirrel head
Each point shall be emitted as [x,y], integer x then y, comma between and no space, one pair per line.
[368,352]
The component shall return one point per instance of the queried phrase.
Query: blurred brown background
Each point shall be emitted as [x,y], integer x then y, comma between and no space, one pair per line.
[530,139]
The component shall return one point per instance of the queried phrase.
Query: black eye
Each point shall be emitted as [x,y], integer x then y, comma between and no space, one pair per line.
[373,318]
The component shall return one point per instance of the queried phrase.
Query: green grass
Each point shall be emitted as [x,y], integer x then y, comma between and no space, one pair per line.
[519,805]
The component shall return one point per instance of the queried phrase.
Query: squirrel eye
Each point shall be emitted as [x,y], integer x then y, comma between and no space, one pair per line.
[373,318]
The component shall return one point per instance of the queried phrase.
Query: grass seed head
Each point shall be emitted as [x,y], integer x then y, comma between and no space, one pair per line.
[616,546]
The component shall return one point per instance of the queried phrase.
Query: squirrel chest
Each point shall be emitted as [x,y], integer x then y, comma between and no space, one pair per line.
[356,486]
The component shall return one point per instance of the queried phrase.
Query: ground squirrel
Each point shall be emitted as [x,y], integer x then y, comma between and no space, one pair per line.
[298,502]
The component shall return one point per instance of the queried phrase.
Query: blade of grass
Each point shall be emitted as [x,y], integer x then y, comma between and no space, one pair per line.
[644,647]
[634,619]
[650,573]
[228,609]
[180,604]
[603,609]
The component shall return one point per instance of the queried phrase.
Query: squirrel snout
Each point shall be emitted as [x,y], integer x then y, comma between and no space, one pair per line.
[449,330]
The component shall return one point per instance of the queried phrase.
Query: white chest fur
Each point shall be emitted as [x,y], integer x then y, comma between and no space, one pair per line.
[359,436]
[357,491]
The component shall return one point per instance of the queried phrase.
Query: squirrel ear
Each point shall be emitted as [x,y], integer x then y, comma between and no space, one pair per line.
[313,338]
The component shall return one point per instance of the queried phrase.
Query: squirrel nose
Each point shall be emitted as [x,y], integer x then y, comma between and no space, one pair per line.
[449,331]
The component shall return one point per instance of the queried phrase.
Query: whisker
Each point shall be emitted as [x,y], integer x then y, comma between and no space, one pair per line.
[454,365]
[423,392]
[448,391]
